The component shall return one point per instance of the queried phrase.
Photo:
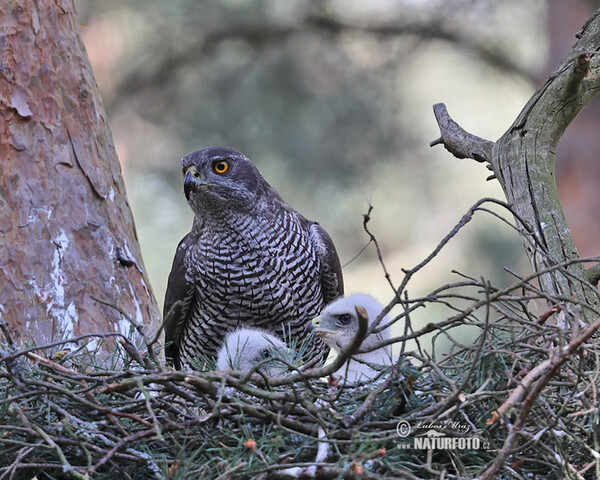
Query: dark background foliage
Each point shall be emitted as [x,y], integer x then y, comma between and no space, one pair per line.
[332,100]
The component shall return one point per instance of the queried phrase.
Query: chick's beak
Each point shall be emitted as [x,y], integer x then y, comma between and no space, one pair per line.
[317,326]
[310,327]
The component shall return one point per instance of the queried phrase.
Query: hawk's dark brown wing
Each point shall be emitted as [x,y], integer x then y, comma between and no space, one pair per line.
[178,298]
[332,281]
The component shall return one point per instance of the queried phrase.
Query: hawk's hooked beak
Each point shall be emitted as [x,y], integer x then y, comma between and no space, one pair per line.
[191,183]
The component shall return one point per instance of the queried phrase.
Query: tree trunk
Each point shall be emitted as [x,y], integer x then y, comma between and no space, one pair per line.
[523,161]
[68,234]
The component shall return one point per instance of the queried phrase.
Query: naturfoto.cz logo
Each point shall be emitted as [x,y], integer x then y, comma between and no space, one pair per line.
[432,438]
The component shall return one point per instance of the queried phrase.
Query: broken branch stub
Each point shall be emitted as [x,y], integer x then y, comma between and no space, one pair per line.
[458,141]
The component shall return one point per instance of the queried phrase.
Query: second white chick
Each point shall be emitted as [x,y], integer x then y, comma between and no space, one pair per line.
[244,348]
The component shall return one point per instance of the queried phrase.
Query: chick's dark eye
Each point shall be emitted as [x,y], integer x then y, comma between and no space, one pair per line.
[344,319]
[266,354]
[220,166]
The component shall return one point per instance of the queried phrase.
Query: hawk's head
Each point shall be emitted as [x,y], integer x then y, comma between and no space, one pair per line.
[219,177]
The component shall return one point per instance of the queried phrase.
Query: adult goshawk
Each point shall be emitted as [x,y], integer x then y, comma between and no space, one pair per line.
[250,260]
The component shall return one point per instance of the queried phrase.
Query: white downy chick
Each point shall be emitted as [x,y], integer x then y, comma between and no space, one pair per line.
[337,326]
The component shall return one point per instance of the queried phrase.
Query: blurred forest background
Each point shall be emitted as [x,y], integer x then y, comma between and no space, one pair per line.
[332,100]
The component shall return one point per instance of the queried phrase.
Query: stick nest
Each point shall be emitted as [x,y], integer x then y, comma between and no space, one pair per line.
[519,401]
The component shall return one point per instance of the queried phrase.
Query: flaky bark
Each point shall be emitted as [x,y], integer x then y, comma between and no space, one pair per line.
[523,161]
[67,233]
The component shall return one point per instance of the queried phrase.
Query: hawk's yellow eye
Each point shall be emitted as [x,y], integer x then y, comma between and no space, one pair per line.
[220,166]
